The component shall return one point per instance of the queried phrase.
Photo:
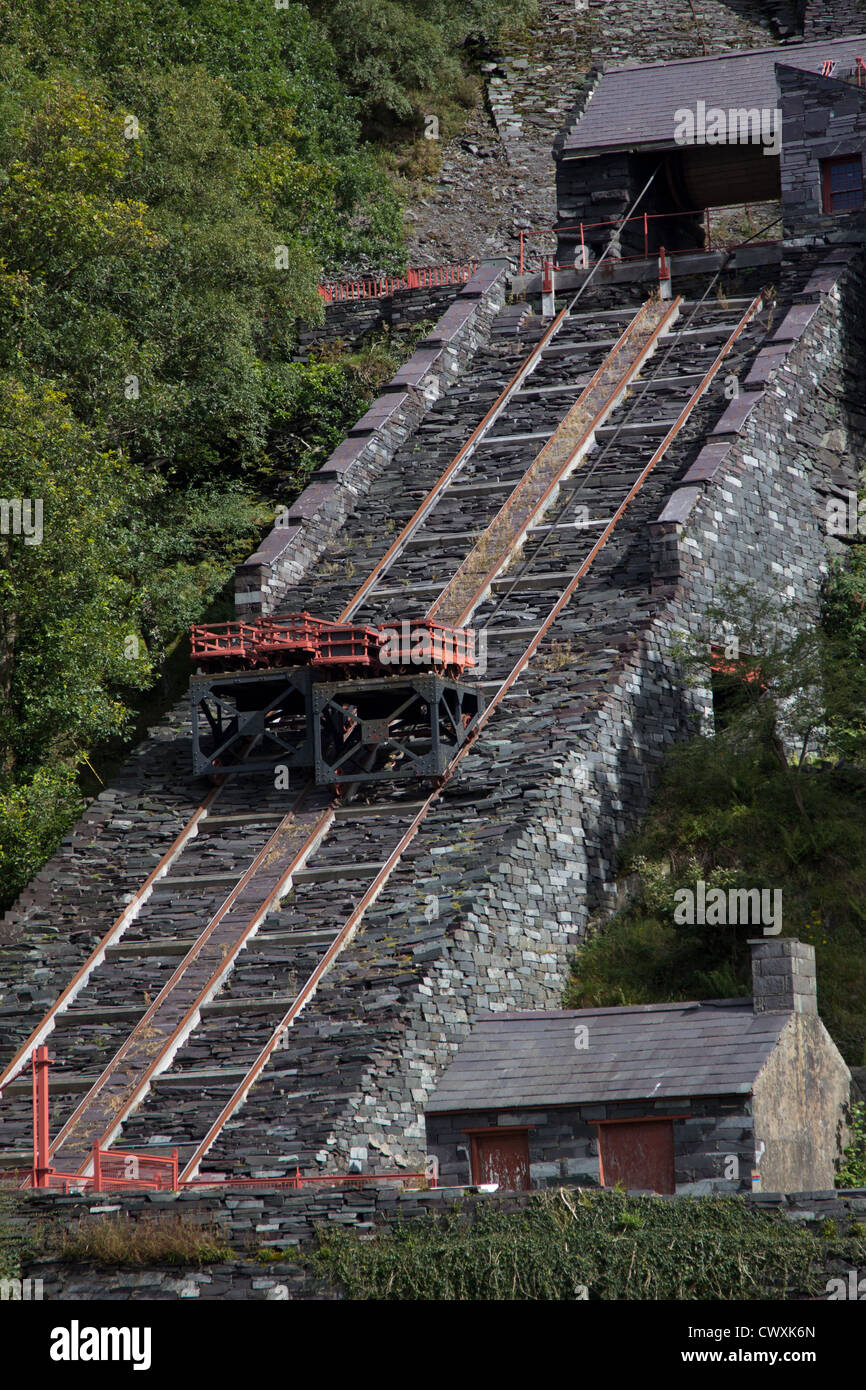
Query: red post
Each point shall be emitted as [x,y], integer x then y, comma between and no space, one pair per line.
[41,1166]
[645,236]
[582,249]
[97,1168]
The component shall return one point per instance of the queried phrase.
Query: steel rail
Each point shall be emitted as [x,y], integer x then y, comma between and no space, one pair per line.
[114,933]
[184,1025]
[581,445]
[753,309]
[350,927]
[457,463]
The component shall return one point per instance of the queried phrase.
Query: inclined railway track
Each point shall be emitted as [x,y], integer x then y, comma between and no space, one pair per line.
[158,969]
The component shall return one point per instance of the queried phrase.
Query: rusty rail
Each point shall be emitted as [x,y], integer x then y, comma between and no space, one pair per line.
[114,933]
[180,1028]
[460,459]
[572,438]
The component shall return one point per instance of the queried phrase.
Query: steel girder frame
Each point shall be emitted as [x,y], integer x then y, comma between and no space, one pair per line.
[391,729]
[250,721]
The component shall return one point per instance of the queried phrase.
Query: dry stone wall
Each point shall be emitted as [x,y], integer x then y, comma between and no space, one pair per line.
[283,1222]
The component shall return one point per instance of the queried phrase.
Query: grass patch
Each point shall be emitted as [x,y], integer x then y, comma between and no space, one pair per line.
[119,1242]
[16,1244]
[608,1244]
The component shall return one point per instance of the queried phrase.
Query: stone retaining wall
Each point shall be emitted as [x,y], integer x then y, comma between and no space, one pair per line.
[349,320]
[284,1221]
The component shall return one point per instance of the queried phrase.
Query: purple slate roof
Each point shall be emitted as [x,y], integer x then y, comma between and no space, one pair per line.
[640,1052]
[636,106]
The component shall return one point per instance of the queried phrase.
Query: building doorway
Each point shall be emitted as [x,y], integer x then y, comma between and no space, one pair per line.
[638,1154]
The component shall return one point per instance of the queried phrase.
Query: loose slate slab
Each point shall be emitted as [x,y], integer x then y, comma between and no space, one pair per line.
[678,507]
[795,323]
[381,411]
[766,362]
[737,413]
[451,324]
[707,463]
[414,371]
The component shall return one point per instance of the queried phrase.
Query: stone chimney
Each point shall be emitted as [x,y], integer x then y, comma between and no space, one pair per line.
[783,976]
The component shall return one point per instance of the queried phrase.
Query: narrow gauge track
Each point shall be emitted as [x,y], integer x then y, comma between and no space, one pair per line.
[156,968]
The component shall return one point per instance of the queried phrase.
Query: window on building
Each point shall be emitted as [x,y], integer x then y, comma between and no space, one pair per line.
[843,183]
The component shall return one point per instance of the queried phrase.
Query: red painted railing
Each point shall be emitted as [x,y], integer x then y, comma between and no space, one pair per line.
[115,1170]
[416,278]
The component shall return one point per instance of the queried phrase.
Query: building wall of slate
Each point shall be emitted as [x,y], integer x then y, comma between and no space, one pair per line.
[283,1221]
[822,118]
[563,1142]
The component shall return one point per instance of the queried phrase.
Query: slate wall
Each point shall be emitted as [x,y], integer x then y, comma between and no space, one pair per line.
[563,1142]
[757,492]
[349,320]
[282,1221]
[822,118]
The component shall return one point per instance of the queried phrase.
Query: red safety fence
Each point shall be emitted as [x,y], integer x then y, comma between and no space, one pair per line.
[116,1170]
[644,220]
[299,639]
[217,641]
[416,278]
[299,1180]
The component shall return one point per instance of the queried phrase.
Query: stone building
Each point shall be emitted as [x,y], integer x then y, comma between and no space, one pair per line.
[684,1097]
[786,123]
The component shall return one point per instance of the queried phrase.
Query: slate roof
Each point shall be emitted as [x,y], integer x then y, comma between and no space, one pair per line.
[636,106]
[646,1051]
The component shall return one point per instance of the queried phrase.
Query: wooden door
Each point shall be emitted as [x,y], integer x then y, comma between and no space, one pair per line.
[502,1158]
[638,1153]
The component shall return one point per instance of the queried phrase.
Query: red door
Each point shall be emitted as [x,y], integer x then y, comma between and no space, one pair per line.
[638,1153]
[502,1158]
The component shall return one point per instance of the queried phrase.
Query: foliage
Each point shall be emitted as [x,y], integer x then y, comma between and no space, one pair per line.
[35,812]
[614,1246]
[16,1244]
[734,811]
[393,56]
[174,178]
[853,1170]
[121,1242]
